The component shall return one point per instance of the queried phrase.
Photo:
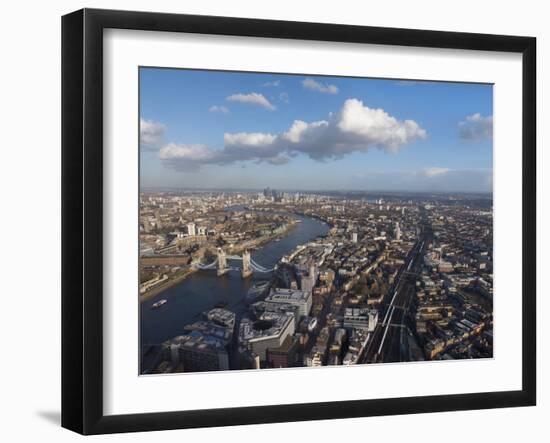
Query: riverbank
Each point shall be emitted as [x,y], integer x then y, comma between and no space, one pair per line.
[262,241]
[285,210]
[201,291]
[167,284]
[251,244]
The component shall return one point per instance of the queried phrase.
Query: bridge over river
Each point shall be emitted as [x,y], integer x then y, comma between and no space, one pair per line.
[201,291]
[248,264]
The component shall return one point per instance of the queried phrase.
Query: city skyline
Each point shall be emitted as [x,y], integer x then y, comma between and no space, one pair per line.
[214,130]
[255,280]
[381,192]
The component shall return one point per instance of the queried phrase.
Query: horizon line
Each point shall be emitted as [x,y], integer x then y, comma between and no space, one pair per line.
[237,189]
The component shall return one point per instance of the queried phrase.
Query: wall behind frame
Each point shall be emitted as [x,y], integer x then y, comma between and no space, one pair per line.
[30,182]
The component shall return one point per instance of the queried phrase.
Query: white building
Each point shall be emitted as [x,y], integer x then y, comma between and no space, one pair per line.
[361,318]
[270,331]
[191,229]
[300,298]
[397,231]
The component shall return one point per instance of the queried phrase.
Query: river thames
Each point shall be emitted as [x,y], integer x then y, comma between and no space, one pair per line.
[203,290]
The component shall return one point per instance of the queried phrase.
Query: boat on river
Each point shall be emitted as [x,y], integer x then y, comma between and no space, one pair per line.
[257,290]
[159,303]
[187,302]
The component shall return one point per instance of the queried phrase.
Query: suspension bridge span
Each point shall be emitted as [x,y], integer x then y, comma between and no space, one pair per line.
[249,266]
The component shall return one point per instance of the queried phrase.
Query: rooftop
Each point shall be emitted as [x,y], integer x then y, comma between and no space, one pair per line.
[269,325]
[283,295]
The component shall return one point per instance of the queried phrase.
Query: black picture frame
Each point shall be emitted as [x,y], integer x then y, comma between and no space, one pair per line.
[82,218]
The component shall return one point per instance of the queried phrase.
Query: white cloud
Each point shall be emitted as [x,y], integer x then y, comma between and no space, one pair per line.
[376,127]
[435,171]
[220,109]
[273,84]
[185,157]
[325,88]
[434,179]
[476,128]
[283,96]
[407,82]
[249,139]
[446,179]
[150,133]
[193,152]
[278,160]
[354,128]
[252,99]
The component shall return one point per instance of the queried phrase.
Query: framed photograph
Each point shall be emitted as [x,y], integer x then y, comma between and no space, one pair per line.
[269,221]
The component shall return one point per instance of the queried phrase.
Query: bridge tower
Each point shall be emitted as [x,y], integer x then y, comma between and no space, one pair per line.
[247,269]
[222,262]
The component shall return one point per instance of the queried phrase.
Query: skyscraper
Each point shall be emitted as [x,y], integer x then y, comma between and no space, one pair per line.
[397,231]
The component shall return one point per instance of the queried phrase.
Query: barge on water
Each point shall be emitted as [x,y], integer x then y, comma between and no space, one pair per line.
[159,303]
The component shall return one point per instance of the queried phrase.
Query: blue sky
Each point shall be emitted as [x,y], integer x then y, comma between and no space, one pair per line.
[215,129]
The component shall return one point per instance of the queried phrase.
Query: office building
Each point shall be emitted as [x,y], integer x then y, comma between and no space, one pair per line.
[297,297]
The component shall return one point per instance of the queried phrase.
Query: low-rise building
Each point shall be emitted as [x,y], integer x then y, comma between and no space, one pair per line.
[360,318]
[268,332]
[198,353]
[302,299]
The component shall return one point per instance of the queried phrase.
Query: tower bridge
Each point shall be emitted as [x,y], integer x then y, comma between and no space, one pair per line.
[221,264]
